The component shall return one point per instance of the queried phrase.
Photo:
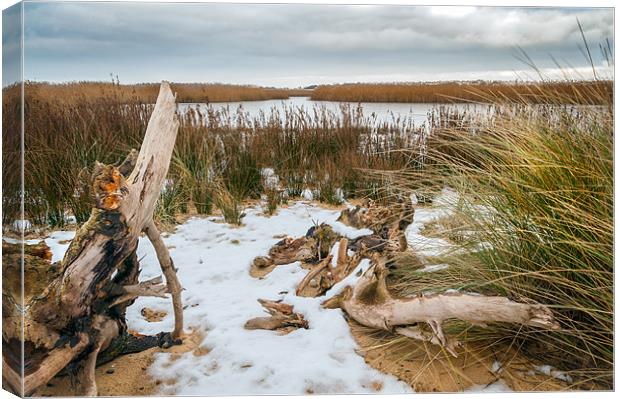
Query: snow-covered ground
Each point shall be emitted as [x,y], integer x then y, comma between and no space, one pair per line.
[213,259]
[219,295]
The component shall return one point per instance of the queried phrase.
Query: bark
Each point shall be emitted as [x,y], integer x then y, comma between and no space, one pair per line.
[78,311]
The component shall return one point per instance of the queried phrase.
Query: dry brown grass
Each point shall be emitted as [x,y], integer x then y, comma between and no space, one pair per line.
[71,93]
[451,92]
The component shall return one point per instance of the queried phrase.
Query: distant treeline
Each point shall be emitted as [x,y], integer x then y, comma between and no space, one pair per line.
[147,92]
[571,92]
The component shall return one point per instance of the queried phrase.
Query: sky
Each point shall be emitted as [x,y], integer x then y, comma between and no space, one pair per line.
[292,45]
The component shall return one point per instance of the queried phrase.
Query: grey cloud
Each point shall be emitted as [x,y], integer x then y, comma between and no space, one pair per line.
[293,44]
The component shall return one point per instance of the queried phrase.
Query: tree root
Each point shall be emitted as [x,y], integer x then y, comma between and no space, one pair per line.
[72,310]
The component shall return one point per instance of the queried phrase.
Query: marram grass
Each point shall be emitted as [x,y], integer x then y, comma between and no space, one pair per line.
[535,213]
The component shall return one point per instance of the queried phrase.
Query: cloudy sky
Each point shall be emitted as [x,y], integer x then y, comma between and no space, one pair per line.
[293,45]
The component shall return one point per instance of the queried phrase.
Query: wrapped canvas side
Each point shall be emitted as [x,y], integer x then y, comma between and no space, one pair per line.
[14,223]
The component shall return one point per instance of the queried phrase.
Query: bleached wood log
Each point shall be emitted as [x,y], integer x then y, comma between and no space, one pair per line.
[370,303]
[323,276]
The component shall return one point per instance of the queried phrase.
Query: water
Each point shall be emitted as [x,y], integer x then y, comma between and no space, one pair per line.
[377,112]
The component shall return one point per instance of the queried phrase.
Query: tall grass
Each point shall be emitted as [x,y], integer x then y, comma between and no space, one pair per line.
[318,149]
[451,92]
[535,203]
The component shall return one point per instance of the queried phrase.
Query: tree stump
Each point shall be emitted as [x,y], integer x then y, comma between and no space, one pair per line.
[77,311]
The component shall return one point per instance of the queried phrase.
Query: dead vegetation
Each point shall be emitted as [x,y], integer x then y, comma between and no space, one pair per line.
[454,92]
[146,93]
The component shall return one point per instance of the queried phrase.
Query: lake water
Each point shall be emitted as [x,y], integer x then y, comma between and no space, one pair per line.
[376,112]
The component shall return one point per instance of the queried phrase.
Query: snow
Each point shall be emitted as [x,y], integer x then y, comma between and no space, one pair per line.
[498,386]
[307,194]
[20,225]
[552,372]
[213,259]
[270,178]
[430,246]
[58,242]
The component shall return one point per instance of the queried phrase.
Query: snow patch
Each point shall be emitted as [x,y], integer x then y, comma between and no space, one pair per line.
[552,372]
[495,387]
[434,268]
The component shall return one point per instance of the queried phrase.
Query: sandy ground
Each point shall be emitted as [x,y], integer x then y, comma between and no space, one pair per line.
[128,375]
[426,368]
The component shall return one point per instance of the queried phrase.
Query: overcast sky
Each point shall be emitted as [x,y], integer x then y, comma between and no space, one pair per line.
[293,45]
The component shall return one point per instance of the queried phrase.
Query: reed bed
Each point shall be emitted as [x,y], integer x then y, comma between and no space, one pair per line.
[79,92]
[578,92]
[319,150]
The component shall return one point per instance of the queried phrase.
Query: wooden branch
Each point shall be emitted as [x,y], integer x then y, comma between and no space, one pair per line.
[325,264]
[345,264]
[370,303]
[417,333]
[323,277]
[282,318]
[152,287]
[167,267]
[312,247]
[276,307]
[128,165]
[55,361]
[106,330]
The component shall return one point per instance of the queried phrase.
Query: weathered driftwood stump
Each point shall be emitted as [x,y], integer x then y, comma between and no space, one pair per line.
[74,311]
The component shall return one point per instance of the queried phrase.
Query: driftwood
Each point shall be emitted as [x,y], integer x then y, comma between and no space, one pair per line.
[371,304]
[311,248]
[281,318]
[323,276]
[72,317]
[387,223]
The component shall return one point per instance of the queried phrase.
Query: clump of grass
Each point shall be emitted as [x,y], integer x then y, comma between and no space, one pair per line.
[242,175]
[192,166]
[318,148]
[228,204]
[449,227]
[172,202]
[274,198]
[536,193]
